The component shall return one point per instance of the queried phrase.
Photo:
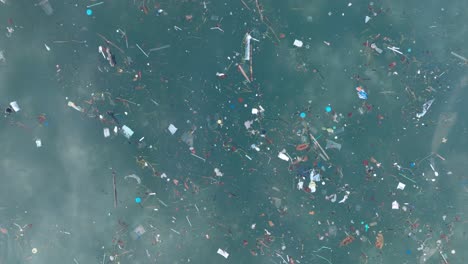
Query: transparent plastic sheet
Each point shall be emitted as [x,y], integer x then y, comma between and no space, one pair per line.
[332,230]
[332,145]
[339,131]
[137,232]
[211,121]
[428,252]
[276,201]
[46,7]
[2,57]
[3,249]
[187,137]
[10,250]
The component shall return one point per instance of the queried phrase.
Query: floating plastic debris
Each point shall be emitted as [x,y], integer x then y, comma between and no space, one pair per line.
[15,106]
[223,253]
[401,186]
[332,145]
[133,176]
[218,172]
[298,43]
[361,93]
[106,132]
[138,231]
[172,129]
[283,156]
[426,107]
[126,131]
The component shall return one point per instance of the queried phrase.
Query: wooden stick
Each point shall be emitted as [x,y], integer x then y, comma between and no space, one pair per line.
[125,36]
[318,144]
[251,69]
[196,156]
[323,258]
[96,4]
[115,189]
[162,202]
[428,156]
[243,73]
[110,42]
[125,100]
[439,156]
[409,179]
[67,41]
[246,6]
[259,11]
[271,29]
[459,56]
[443,257]
[138,46]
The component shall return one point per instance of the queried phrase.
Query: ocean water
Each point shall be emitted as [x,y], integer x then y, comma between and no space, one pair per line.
[217,182]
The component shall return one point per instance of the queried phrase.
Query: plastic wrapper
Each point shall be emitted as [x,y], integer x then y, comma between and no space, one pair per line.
[312,187]
[314,176]
[247,47]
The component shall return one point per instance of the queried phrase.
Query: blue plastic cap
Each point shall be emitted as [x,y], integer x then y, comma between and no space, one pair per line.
[89,12]
[302,115]
[138,200]
[328,109]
